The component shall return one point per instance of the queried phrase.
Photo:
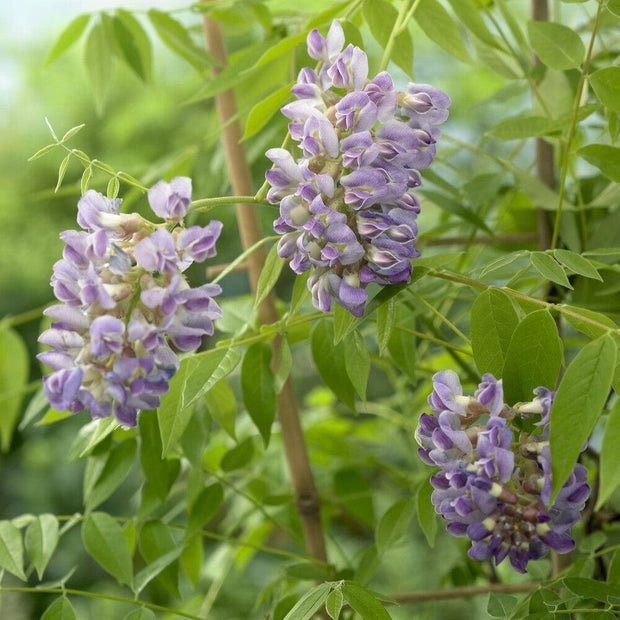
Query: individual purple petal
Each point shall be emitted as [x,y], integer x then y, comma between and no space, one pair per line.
[170,201]
[157,252]
[198,243]
[106,334]
[61,387]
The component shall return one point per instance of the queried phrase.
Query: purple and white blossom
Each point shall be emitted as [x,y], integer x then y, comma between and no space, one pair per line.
[347,209]
[125,300]
[494,480]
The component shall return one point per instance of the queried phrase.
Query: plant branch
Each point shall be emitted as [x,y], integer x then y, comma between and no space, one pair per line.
[304,487]
[464,592]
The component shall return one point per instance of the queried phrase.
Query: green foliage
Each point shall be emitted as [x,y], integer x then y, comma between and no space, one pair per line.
[196,516]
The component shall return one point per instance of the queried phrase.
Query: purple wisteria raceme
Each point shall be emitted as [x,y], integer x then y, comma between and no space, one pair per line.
[347,209]
[494,480]
[125,301]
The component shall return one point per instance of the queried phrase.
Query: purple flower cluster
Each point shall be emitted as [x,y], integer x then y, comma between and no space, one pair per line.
[347,211]
[124,300]
[495,485]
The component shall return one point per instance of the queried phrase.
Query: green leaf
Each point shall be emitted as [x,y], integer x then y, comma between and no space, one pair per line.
[363,601]
[606,84]
[385,324]
[113,187]
[176,37]
[493,320]
[91,435]
[192,557]
[330,362]
[222,406]
[524,126]
[60,609]
[454,206]
[308,571]
[14,368]
[259,116]
[604,157]
[36,407]
[438,26]
[142,613]
[577,264]
[357,362]
[42,151]
[284,365]
[87,175]
[269,274]
[309,603]
[549,268]
[133,43]
[156,543]
[533,358]
[239,456]
[283,46]
[557,46]
[195,377]
[257,387]
[204,508]
[159,472]
[61,171]
[11,550]
[469,13]
[427,518]
[68,37]
[580,319]
[97,57]
[41,539]
[588,588]
[333,604]
[501,605]
[155,568]
[118,464]
[105,542]
[394,524]
[580,398]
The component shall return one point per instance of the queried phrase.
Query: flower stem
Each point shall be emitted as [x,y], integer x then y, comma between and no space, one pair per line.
[295,448]
[399,25]
[573,126]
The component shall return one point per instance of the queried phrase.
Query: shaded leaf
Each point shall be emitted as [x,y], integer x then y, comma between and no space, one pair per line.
[580,398]
[156,543]
[363,601]
[394,524]
[97,55]
[41,539]
[329,359]
[11,550]
[493,320]
[105,542]
[427,517]
[310,603]
[269,274]
[549,268]
[60,609]
[14,368]
[533,358]
[257,387]
[222,406]
[259,116]
[438,26]
[357,362]
[134,43]
[239,456]
[204,507]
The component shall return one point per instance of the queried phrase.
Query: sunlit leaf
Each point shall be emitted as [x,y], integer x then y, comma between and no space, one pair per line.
[357,362]
[60,609]
[309,603]
[97,57]
[577,264]
[269,274]
[363,601]
[549,268]
[606,158]
[222,406]
[579,401]
[557,46]
[606,84]
[68,37]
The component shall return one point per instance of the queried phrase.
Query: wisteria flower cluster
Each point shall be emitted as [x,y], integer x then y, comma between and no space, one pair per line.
[347,210]
[125,300]
[494,484]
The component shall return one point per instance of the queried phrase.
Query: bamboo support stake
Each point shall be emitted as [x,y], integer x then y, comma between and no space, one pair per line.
[295,448]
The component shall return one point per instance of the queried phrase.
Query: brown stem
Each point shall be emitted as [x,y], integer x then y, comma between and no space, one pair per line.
[463,592]
[545,165]
[295,448]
